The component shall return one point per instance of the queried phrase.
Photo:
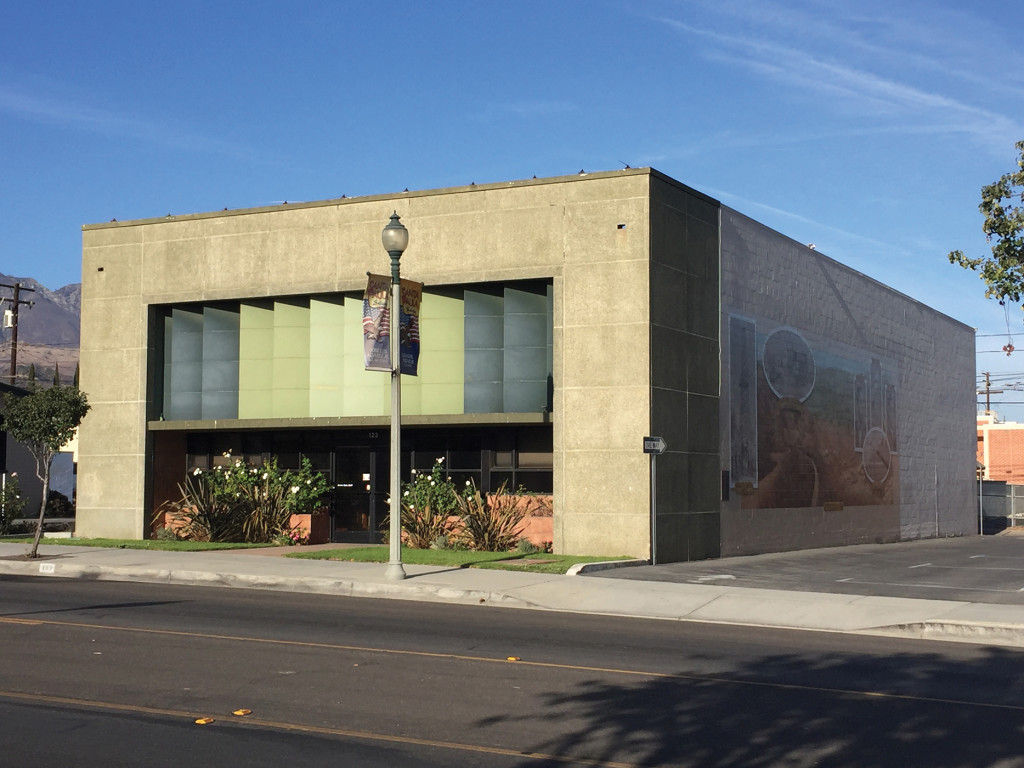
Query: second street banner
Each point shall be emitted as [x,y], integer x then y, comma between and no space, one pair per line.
[377,324]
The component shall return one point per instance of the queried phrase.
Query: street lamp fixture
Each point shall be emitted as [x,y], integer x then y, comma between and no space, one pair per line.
[395,238]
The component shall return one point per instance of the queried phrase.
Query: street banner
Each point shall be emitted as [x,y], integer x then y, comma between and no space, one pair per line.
[377,325]
[409,338]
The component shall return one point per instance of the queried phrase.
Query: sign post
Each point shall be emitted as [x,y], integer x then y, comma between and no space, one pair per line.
[654,446]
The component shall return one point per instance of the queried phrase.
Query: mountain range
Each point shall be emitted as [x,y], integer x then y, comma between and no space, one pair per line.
[48,329]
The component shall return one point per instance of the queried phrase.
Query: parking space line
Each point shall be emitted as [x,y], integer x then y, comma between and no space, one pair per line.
[931,586]
[968,568]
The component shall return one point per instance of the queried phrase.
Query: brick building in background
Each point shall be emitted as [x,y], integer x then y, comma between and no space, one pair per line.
[1001,448]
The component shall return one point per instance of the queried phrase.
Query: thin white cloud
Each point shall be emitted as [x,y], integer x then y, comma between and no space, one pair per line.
[700,145]
[926,37]
[849,88]
[524,109]
[745,205]
[76,116]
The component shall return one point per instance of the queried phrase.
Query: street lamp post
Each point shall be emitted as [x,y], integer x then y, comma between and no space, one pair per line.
[395,238]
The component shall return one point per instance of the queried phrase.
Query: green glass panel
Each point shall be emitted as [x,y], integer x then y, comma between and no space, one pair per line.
[367,393]
[327,344]
[255,360]
[220,363]
[291,359]
[439,383]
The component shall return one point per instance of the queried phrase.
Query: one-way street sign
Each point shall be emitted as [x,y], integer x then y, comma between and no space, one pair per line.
[655,445]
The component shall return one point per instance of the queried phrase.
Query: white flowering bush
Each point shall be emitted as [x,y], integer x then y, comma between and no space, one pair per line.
[429,506]
[11,503]
[245,503]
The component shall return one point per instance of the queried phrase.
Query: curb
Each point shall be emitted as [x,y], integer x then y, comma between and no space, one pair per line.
[604,565]
[986,633]
[956,631]
[400,590]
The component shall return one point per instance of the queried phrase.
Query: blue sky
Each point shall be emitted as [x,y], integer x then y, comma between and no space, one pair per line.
[866,128]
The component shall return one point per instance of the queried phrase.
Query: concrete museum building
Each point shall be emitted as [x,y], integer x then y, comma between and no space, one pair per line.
[563,320]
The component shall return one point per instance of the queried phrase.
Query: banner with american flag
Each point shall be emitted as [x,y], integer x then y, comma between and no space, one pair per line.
[377,324]
[409,338]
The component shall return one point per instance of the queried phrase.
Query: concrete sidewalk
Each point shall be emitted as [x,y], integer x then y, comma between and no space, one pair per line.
[912,617]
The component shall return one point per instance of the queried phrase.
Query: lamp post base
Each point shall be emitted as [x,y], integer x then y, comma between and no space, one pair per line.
[394,572]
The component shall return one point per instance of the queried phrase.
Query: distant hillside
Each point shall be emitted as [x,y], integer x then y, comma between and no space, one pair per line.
[48,331]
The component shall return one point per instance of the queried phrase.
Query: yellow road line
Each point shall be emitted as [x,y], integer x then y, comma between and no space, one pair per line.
[320,730]
[538,664]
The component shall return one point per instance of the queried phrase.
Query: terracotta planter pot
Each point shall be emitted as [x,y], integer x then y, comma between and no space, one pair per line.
[318,526]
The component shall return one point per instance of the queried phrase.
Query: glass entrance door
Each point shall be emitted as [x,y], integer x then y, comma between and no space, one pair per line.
[354,495]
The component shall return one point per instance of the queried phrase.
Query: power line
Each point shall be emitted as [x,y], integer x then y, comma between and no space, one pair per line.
[16,303]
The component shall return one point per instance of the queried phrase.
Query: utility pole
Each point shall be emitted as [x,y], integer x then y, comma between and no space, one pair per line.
[16,302]
[988,392]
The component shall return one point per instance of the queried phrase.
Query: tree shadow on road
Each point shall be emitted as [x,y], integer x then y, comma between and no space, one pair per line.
[909,709]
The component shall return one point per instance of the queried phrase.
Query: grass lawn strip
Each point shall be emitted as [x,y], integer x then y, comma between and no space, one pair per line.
[153,544]
[508,561]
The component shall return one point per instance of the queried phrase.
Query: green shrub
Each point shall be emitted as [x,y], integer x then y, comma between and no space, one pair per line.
[201,514]
[166,534]
[242,503]
[526,547]
[491,522]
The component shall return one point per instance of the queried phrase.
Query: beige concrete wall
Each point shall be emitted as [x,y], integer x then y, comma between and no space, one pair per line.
[112,438]
[589,234]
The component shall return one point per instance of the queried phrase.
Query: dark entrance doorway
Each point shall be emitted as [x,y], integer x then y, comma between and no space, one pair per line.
[358,509]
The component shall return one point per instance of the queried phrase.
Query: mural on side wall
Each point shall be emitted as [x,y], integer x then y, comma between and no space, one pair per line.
[813,422]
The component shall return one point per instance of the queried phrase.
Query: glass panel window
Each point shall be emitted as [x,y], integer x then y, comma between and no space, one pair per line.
[253,443]
[320,461]
[429,447]
[424,461]
[497,478]
[198,461]
[535,459]
[502,459]
[535,482]
[459,479]
[534,449]
[464,451]
[220,460]
[224,442]
[286,448]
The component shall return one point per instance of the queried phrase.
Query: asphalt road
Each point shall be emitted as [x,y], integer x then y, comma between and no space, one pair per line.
[980,569]
[112,674]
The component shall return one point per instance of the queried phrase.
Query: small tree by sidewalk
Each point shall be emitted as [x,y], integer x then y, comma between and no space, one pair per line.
[44,421]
